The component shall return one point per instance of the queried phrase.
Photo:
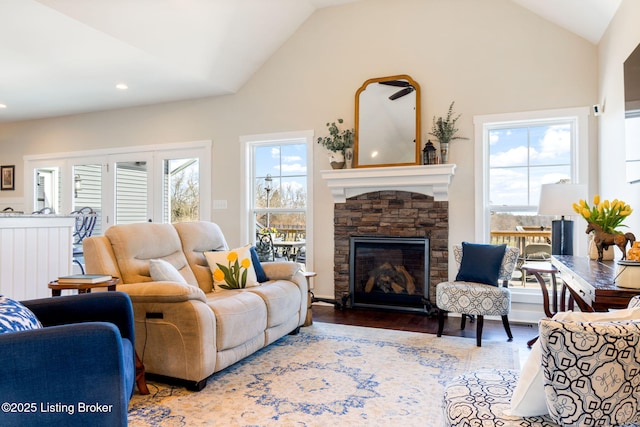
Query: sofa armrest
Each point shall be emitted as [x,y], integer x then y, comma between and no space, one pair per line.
[156,292]
[99,257]
[281,270]
[112,307]
[70,365]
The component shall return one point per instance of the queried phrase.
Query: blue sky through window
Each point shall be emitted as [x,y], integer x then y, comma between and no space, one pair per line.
[287,164]
[522,158]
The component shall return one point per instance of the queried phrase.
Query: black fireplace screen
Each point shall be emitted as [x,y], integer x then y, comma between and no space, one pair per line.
[389,272]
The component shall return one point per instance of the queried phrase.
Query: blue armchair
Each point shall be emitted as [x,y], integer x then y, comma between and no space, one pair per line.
[79,369]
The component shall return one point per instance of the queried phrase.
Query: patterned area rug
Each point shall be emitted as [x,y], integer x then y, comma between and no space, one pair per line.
[328,375]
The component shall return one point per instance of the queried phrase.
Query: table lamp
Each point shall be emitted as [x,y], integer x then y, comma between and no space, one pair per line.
[558,199]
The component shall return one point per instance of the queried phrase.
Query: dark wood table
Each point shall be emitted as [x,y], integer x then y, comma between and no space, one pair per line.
[82,288]
[591,283]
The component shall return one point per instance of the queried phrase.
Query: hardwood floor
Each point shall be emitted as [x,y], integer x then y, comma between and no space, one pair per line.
[419,322]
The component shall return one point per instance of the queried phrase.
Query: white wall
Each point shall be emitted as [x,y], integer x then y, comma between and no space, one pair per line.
[622,36]
[490,56]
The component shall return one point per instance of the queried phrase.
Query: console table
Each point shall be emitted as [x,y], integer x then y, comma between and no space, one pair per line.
[592,283]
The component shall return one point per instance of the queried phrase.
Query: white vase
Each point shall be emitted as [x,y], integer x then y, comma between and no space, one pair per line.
[607,255]
[336,159]
[444,152]
[348,157]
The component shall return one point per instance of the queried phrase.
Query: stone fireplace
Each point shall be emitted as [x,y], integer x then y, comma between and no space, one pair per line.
[389,272]
[407,202]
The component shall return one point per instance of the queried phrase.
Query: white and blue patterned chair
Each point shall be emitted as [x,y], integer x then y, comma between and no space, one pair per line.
[590,378]
[478,299]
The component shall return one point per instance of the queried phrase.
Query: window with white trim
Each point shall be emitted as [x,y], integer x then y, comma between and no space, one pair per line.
[519,153]
[279,191]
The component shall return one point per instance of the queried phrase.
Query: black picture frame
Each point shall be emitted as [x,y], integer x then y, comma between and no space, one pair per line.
[7,178]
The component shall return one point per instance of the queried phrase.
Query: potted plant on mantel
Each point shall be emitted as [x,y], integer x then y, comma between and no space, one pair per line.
[337,143]
[445,131]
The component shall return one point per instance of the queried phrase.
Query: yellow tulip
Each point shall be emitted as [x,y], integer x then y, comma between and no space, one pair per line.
[232,256]
[586,213]
[576,208]
[246,263]
[218,275]
[596,199]
[605,204]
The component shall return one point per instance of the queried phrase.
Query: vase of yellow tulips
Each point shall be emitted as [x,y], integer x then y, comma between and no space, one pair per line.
[609,215]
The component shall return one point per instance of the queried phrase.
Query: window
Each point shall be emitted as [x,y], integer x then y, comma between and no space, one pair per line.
[520,152]
[279,191]
[161,183]
[181,190]
[522,157]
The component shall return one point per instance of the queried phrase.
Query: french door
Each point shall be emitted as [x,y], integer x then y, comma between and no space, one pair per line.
[169,183]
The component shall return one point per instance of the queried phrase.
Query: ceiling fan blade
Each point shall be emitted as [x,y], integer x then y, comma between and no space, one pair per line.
[401,93]
[399,83]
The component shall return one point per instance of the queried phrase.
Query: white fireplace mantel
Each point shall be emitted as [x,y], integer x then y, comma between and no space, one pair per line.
[430,180]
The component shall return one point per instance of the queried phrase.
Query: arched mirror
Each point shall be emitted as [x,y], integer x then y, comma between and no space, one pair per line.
[387,122]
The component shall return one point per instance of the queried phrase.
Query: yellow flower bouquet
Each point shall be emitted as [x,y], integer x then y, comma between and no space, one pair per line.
[268,230]
[608,215]
[232,274]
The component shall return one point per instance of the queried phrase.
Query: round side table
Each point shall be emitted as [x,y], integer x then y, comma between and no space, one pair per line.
[82,288]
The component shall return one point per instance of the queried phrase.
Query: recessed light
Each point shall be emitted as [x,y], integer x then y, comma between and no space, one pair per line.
[3,106]
[122,86]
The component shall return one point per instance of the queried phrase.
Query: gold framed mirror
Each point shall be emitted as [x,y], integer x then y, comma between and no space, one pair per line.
[387,122]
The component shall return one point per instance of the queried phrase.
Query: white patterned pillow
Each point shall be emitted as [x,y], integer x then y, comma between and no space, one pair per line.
[591,371]
[16,317]
[529,398]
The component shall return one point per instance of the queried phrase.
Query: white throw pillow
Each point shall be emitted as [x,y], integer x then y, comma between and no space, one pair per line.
[232,269]
[163,271]
[529,398]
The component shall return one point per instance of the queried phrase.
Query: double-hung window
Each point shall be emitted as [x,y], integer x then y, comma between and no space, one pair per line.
[279,191]
[518,153]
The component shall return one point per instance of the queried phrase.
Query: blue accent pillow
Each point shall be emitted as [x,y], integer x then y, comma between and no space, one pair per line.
[16,317]
[481,263]
[257,266]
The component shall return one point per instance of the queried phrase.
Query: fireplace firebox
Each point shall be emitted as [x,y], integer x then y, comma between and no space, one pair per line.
[389,272]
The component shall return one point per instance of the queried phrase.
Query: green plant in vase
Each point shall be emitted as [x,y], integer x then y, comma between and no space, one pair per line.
[337,142]
[444,130]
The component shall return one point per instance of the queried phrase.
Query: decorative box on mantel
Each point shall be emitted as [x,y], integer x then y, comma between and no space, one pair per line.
[430,180]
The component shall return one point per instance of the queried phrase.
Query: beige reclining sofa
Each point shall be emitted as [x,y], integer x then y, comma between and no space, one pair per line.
[190,331]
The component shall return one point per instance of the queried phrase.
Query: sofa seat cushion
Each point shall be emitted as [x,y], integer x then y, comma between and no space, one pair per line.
[282,299]
[240,317]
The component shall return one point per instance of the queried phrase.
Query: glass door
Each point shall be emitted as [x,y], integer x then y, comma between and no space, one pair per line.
[87,189]
[131,178]
[184,183]
[166,183]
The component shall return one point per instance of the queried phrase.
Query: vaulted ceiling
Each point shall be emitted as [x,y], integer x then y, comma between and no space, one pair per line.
[62,57]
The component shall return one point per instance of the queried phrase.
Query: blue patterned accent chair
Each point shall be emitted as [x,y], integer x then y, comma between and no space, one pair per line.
[67,360]
[589,377]
[484,296]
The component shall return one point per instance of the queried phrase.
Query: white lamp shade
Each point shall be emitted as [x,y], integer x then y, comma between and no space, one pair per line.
[558,199]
